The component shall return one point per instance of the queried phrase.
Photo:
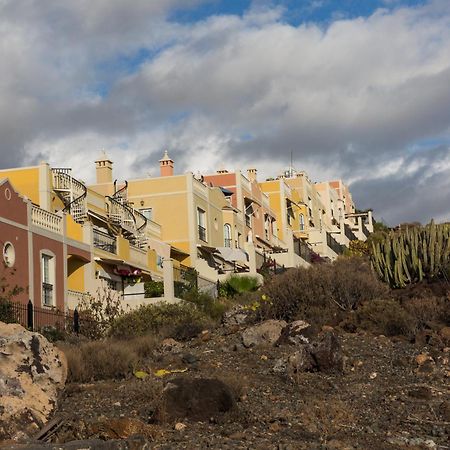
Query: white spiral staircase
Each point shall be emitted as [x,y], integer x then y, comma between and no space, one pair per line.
[72,193]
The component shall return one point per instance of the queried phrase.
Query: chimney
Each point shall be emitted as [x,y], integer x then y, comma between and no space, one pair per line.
[222,170]
[103,169]
[251,173]
[166,165]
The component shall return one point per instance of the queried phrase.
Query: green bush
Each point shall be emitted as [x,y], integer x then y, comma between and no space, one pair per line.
[6,312]
[323,293]
[154,289]
[157,319]
[236,285]
[211,307]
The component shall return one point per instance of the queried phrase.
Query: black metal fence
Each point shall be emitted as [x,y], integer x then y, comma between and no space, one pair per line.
[334,245]
[37,318]
[302,249]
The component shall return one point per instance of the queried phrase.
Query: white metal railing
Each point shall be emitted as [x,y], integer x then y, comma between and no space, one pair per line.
[46,219]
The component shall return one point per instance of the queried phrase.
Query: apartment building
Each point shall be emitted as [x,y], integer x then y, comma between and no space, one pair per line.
[318,210]
[360,223]
[290,213]
[197,220]
[43,252]
[114,236]
[259,237]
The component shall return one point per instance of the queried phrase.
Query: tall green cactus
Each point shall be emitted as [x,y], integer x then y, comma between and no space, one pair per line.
[410,255]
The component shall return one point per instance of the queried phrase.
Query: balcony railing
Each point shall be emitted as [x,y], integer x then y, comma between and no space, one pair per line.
[349,233]
[365,230]
[302,249]
[46,219]
[228,242]
[202,233]
[333,244]
[104,241]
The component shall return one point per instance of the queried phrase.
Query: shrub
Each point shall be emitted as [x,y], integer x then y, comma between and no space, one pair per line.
[99,360]
[157,319]
[211,307]
[99,312]
[235,285]
[154,289]
[386,317]
[321,293]
[6,311]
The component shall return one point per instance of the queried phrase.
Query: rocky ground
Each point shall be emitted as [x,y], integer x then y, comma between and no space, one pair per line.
[391,395]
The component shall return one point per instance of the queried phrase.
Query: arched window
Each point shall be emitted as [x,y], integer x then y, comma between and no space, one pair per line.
[227,235]
[302,222]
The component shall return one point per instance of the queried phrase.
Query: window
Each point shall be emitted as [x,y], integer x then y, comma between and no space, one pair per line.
[147,212]
[201,221]
[48,279]
[302,222]
[267,227]
[238,242]
[248,212]
[9,254]
[227,235]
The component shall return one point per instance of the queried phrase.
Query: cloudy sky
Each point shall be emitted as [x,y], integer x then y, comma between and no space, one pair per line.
[358,90]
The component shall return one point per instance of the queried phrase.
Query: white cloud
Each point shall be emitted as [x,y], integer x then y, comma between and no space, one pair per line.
[349,100]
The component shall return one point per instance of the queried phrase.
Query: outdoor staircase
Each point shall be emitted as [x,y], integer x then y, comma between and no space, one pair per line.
[121,212]
[72,192]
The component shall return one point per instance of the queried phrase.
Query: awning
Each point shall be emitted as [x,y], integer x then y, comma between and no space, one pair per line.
[109,260]
[248,199]
[120,267]
[177,251]
[226,192]
[233,254]
[207,249]
[288,200]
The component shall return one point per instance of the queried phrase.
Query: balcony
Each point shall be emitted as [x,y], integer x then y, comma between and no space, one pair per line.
[104,241]
[302,249]
[228,242]
[46,219]
[202,233]
[349,233]
[334,245]
[138,256]
[365,230]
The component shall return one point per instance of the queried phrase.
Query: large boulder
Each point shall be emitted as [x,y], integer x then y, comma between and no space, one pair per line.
[327,353]
[196,399]
[265,333]
[32,371]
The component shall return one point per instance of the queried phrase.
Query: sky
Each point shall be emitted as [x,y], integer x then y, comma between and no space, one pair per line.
[357,90]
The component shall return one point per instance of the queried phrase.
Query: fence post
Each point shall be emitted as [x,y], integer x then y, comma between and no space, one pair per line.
[76,321]
[30,315]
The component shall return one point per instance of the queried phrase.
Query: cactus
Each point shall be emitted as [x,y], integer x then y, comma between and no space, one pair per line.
[410,255]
